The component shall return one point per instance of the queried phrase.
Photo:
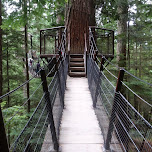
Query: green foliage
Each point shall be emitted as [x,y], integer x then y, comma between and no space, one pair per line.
[18,121]
[44,14]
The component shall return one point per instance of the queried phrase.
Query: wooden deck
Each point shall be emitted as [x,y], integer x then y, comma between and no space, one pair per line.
[80,131]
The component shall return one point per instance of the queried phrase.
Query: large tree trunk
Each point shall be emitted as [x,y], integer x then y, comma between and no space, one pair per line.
[122,9]
[77,26]
[92,19]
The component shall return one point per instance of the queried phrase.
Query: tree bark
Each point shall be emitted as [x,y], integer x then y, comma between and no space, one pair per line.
[1,77]
[3,139]
[78,25]
[128,46]
[122,10]
[92,19]
[26,52]
[8,90]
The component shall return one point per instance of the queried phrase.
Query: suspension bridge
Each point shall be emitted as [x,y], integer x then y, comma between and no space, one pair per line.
[83,107]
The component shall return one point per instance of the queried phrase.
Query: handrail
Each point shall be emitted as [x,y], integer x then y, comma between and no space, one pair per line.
[43,114]
[85,53]
[127,126]
[53,28]
[94,49]
[125,121]
[100,28]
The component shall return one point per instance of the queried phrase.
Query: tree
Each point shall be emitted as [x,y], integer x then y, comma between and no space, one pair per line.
[26,51]
[1,78]
[122,10]
[78,25]
[92,6]
[113,12]
[3,140]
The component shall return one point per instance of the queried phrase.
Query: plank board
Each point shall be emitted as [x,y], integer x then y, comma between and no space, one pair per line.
[80,131]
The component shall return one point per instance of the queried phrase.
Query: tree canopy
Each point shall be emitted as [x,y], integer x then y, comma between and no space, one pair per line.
[130,19]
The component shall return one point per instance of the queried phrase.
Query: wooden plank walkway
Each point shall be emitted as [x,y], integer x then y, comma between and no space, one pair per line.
[80,131]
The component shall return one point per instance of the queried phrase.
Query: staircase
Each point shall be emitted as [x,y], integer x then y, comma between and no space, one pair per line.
[77,66]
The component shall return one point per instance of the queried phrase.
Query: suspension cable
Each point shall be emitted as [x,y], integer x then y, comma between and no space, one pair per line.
[127,72]
[23,84]
[24,104]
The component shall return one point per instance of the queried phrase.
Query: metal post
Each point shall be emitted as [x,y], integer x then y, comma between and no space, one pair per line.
[114,108]
[60,35]
[60,87]
[64,79]
[44,43]
[31,42]
[40,41]
[108,44]
[91,70]
[113,35]
[49,108]
[86,58]
[55,46]
[98,82]
[95,56]
[3,138]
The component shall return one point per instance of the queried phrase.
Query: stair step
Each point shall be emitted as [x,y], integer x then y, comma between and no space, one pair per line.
[76,64]
[77,74]
[76,60]
[74,69]
[76,55]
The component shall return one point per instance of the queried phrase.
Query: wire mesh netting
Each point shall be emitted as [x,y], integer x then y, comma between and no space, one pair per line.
[132,130]
[28,130]
[33,135]
[123,127]
[104,39]
[51,40]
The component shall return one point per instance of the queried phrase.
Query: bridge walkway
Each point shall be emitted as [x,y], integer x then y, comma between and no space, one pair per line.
[125,126]
[79,129]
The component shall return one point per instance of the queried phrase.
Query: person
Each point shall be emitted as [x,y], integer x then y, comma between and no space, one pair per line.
[30,65]
[38,68]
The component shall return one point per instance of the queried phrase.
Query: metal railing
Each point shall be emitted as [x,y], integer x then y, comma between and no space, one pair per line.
[123,127]
[47,114]
[85,53]
[51,40]
[102,40]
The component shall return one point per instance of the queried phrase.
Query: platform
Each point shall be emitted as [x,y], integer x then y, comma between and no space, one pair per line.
[80,131]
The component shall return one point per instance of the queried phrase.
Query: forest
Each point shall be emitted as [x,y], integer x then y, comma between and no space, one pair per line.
[20,25]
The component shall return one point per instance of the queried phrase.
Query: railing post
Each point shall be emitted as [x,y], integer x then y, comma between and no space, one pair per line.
[55,46]
[3,138]
[44,43]
[95,56]
[49,108]
[60,87]
[98,83]
[85,53]
[40,41]
[108,43]
[86,62]
[114,108]
[113,41]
